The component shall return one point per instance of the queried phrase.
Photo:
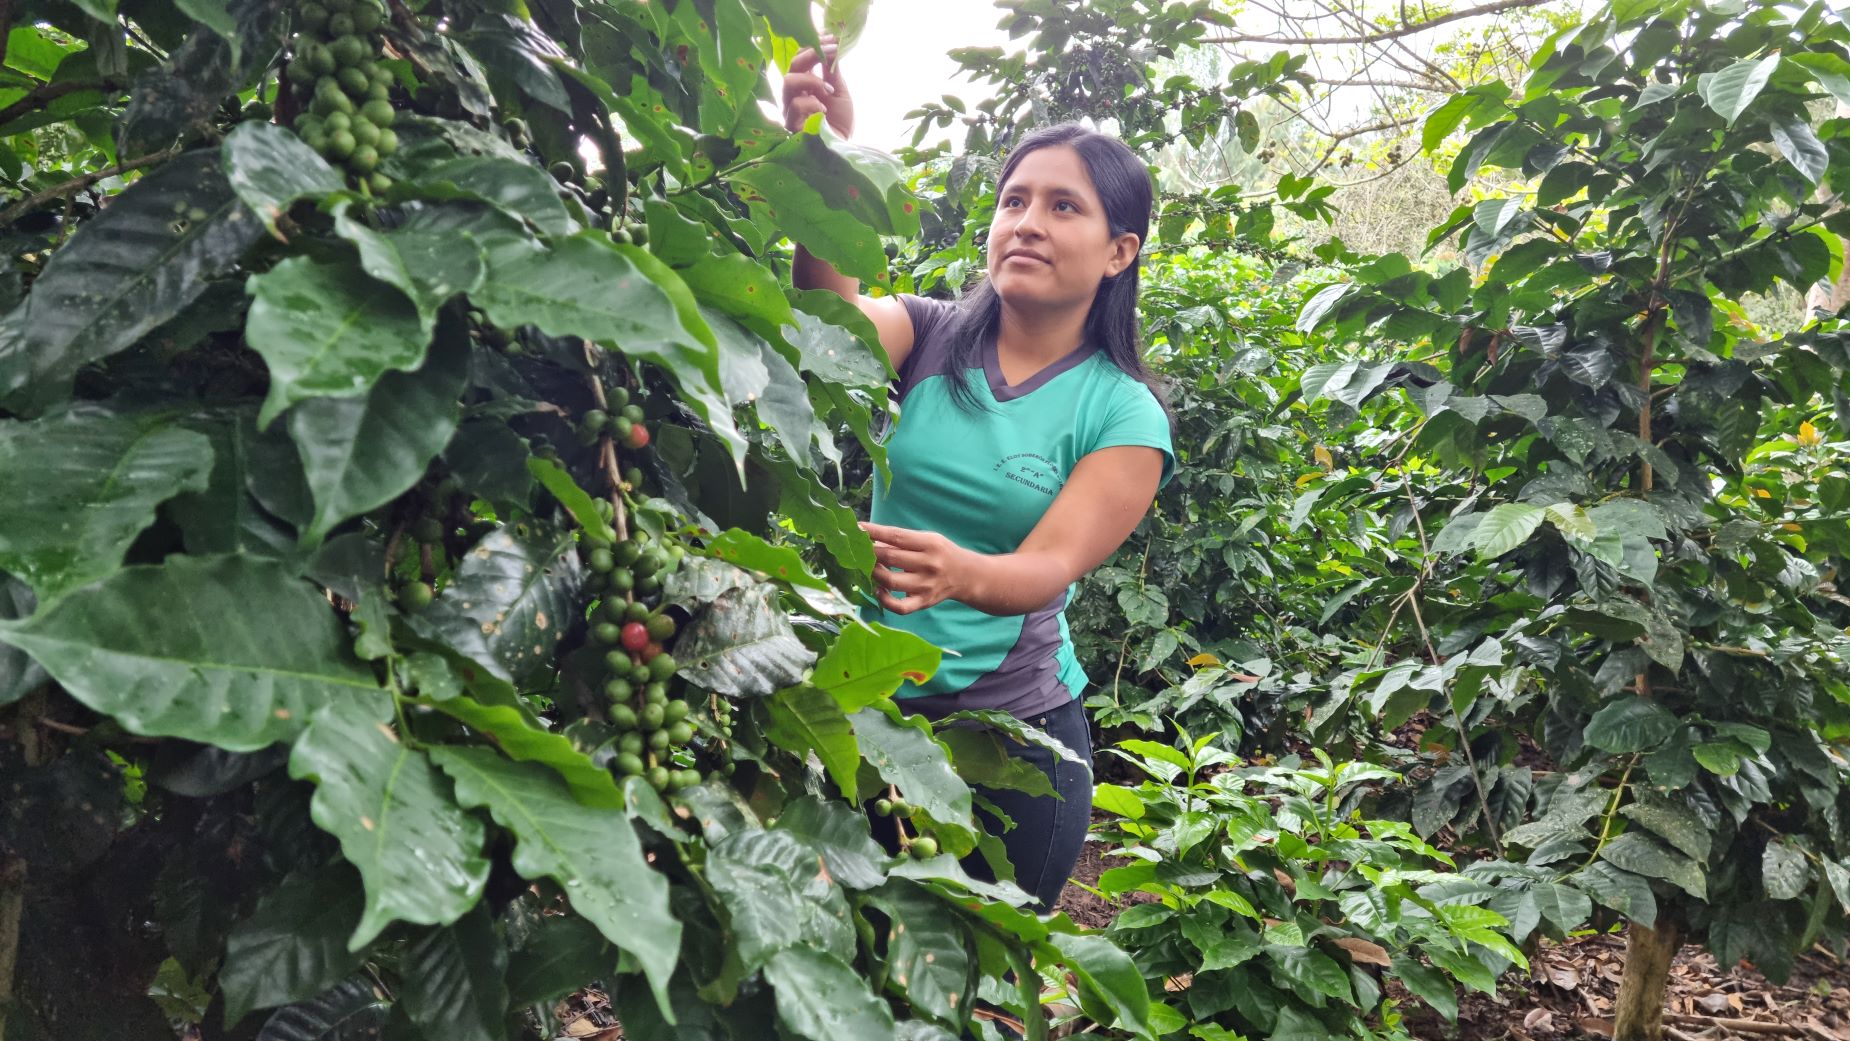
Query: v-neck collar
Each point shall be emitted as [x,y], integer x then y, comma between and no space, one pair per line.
[1002,390]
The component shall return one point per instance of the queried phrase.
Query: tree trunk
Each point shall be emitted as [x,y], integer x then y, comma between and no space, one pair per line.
[1647,968]
[12,908]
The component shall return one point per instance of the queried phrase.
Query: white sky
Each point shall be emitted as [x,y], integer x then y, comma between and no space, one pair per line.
[900,63]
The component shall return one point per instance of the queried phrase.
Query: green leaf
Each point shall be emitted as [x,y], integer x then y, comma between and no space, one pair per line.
[870,661]
[1630,724]
[1427,984]
[19,674]
[1830,70]
[585,287]
[328,330]
[1628,517]
[1464,967]
[838,831]
[904,753]
[215,15]
[360,453]
[782,563]
[1111,988]
[190,649]
[515,733]
[349,1011]
[509,603]
[820,997]
[844,20]
[101,10]
[1310,972]
[926,950]
[294,945]
[227,517]
[741,287]
[454,980]
[818,198]
[82,485]
[1731,90]
[562,953]
[419,853]
[778,893]
[519,189]
[1642,855]
[805,720]
[1721,758]
[742,645]
[1622,891]
[1505,527]
[1568,909]
[430,256]
[576,500]
[269,168]
[1801,148]
[135,265]
[1784,872]
[592,852]
[1671,820]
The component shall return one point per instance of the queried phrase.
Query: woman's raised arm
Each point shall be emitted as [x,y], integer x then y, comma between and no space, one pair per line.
[806,93]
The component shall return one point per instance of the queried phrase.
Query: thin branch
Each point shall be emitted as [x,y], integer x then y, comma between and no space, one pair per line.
[78,184]
[45,94]
[1387,34]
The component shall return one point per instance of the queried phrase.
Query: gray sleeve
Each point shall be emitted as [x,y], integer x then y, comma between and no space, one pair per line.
[932,321]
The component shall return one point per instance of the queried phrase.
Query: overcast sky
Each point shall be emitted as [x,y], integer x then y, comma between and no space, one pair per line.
[900,63]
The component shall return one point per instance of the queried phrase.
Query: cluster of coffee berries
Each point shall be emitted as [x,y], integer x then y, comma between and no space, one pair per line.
[347,92]
[624,422]
[653,711]
[921,845]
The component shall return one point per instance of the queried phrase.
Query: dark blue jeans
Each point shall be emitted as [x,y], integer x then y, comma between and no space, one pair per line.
[1048,833]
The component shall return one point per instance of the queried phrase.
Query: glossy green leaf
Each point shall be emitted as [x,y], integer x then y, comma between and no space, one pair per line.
[905,755]
[742,645]
[780,563]
[1730,91]
[585,287]
[1801,148]
[1642,855]
[360,453]
[870,661]
[328,330]
[778,894]
[509,602]
[519,189]
[226,517]
[563,953]
[1110,986]
[1670,819]
[269,168]
[19,674]
[133,266]
[927,951]
[576,500]
[737,285]
[189,649]
[430,256]
[294,945]
[1784,871]
[83,484]
[820,997]
[1505,527]
[805,720]
[1630,724]
[455,983]
[349,1011]
[823,202]
[1427,984]
[592,852]
[419,852]
[522,739]
[838,831]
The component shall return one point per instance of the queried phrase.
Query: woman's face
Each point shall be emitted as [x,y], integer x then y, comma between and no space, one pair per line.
[1050,244]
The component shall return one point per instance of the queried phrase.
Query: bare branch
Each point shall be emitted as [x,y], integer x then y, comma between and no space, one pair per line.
[1498,7]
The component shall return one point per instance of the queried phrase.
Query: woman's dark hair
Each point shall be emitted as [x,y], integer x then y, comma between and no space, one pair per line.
[1123,185]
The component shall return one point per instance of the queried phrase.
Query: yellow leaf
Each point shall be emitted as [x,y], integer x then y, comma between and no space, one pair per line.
[1809,436]
[1307,478]
[1203,660]
[1762,493]
[1323,457]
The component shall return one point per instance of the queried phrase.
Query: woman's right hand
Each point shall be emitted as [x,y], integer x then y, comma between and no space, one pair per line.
[806,93]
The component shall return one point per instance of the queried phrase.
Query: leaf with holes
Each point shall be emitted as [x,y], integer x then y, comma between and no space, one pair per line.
[742,645]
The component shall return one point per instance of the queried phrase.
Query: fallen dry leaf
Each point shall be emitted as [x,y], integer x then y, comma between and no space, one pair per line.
[1365,952]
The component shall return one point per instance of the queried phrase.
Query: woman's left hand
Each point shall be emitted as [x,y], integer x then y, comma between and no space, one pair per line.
[924,565]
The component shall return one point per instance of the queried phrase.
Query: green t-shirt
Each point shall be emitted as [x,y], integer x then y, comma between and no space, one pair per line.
[983,480]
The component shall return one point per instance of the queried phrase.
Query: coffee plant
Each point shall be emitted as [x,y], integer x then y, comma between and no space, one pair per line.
[1278,911]
[425,590]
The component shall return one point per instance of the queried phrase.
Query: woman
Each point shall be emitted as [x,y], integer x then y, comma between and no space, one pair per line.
[1031,441]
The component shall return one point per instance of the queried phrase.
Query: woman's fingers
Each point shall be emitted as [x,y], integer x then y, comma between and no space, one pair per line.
[899,605]
[905,560]
[807,58]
